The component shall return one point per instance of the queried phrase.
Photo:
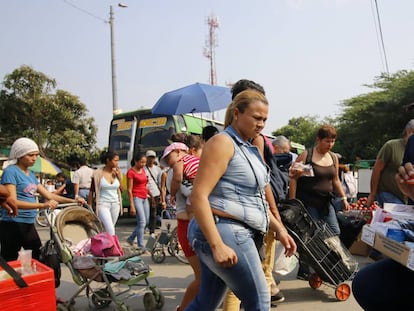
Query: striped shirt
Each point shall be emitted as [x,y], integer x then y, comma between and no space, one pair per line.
[190,166]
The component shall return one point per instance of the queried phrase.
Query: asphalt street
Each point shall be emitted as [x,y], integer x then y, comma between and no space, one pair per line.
[172,276]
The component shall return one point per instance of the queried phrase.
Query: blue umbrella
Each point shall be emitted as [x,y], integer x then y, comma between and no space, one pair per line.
[193,98]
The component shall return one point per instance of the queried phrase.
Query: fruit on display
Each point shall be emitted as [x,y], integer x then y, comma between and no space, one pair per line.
[361,204]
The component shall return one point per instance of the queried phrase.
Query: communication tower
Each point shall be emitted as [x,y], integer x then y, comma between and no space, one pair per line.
[211,44]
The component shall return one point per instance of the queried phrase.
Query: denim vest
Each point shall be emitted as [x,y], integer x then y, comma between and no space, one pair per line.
[240,191]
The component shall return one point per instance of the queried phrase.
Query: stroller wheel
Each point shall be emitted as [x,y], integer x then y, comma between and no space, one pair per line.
[158,255]
[315,281]
[101,298]
[159,298]
[342,292]
[174,247]
[149,302]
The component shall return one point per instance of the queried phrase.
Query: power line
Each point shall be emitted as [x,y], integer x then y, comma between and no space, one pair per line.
[380,36]
[85,11]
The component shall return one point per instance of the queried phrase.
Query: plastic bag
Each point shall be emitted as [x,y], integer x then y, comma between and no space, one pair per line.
[103,245]
[283,265]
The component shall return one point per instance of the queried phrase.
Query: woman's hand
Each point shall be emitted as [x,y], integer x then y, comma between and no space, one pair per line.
[224,256]
[81,201]
[405,179]
[287,241]
[11,205]
[52,204]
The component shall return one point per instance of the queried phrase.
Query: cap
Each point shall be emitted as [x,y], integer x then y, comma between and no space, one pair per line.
[173,146]
[150,153]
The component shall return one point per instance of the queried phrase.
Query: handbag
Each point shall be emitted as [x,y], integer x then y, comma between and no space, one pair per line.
[50,257]
[103,245]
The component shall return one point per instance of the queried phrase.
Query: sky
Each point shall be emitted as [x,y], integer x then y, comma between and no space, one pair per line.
[309,55]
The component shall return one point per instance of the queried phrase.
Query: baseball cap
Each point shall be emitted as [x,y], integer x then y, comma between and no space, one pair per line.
[150,153]
[172,147]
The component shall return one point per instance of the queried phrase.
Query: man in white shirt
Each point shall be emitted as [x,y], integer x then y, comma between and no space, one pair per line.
[153,172]
[82,179]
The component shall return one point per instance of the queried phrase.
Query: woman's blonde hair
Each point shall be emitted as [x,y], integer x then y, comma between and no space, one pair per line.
[241,101]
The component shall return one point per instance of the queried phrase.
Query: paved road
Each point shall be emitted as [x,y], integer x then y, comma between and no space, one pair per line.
[171,277]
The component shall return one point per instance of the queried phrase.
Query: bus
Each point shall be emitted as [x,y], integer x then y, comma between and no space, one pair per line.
[141,130]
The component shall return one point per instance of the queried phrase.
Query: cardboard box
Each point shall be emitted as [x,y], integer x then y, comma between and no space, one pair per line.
[359,247]
[40,294]
[390,248]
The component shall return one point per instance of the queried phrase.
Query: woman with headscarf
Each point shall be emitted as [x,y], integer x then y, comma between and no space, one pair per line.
[18,230]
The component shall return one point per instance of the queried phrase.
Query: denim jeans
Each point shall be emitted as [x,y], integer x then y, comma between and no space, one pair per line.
[246,279]
[330,218]
[384,285]
[143,210]
[387,197]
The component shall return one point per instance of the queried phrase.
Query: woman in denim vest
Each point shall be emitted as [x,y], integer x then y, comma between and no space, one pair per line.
[230,209]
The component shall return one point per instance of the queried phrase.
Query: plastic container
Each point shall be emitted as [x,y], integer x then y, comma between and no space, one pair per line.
[40,294]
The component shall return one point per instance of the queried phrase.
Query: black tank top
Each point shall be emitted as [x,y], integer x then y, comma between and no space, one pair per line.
[317,191]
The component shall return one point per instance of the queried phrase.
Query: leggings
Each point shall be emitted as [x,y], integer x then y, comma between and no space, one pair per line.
[14,235]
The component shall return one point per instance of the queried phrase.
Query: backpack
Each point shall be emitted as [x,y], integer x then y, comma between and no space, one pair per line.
[279,180]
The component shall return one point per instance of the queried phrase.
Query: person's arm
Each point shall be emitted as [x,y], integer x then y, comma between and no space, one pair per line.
[337,186]
[91,192]
[404,174]
[294,174]
[54,197]
[216,155]
[375,178]
[130,184]
[163,189]
[282,235]
[8,202]
[59,190]
[76,190]
[177,178]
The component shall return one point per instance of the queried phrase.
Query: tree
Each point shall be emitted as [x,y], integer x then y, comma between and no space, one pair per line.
[31,106]
[369,120]
[300,130]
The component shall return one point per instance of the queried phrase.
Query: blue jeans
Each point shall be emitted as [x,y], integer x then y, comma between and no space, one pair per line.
[384,285]
[387,197]
[143,211]
[330,218]
[246,279]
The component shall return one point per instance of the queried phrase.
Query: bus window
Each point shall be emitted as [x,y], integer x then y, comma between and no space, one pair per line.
[122,132]
[154,132]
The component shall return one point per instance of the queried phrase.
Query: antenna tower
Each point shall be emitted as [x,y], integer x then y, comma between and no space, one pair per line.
[211,44]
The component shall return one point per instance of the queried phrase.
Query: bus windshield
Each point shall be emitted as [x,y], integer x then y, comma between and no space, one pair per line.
[154,132]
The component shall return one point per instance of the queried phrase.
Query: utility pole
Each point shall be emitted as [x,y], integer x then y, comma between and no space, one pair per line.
[115,109]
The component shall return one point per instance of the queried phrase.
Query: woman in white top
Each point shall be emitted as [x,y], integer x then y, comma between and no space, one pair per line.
[106,188]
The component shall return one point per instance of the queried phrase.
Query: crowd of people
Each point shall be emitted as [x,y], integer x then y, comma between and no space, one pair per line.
[227,228]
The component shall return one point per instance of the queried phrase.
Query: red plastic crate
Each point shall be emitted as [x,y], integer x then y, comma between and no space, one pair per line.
[39,295]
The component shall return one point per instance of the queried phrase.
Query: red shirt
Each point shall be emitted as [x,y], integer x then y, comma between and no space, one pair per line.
[190,166]
[139,183]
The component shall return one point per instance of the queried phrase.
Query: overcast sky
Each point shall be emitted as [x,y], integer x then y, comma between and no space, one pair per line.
[308,54]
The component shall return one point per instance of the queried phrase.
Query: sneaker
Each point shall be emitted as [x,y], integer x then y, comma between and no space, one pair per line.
[279,297]
[131,243]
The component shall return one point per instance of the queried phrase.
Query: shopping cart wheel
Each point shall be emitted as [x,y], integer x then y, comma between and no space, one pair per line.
[149,302]
[342,292]
[101,298]
[158,255]
[315,281]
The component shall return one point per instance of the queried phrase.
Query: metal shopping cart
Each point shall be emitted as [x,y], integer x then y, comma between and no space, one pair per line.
[319,248]
[167,238]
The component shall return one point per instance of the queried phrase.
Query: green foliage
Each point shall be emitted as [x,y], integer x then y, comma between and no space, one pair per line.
[300,130]
[31,106]
[367,120]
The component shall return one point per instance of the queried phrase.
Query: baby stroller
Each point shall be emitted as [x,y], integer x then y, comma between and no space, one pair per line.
[319,248]
[74,225]
[166,239]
